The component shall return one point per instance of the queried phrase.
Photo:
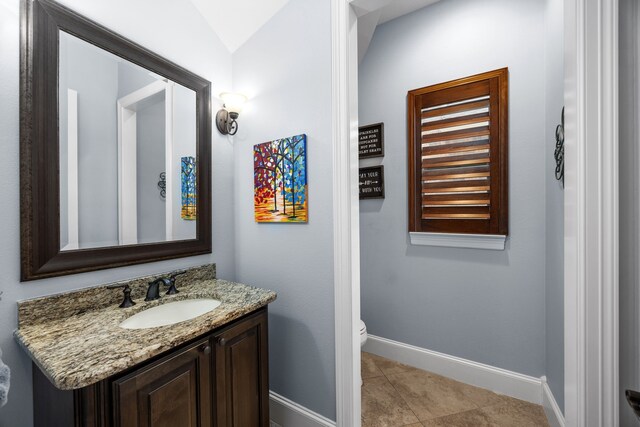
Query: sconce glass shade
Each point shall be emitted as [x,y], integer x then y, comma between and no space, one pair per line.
[233,102]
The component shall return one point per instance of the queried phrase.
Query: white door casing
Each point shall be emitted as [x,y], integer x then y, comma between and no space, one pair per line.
[346,210]
[591,213]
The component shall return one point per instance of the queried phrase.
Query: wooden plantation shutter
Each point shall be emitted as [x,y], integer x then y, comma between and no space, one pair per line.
[458,155]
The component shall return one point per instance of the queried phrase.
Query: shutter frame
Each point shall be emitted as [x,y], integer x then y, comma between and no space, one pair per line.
[496,82]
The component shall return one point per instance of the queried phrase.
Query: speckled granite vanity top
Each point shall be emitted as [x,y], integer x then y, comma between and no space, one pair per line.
[75,338]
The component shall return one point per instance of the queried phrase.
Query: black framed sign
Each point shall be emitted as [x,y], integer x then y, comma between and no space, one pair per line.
[372,182]
[371,141]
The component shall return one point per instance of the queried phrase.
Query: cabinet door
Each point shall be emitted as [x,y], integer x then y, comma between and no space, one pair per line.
[242,380]
[173,392]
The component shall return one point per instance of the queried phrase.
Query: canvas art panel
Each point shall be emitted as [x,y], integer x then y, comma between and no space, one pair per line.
[189,192]
[280,180]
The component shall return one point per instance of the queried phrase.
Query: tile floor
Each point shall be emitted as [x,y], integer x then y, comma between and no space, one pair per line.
[395,395]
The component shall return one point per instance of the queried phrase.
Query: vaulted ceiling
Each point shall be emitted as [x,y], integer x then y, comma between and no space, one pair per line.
[375,12]
[235,21]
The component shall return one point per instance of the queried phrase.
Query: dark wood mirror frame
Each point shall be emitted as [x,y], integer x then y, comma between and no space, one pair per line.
[41,21]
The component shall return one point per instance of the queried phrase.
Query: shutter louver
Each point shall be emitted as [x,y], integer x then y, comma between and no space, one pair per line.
[455,160]
[458,155]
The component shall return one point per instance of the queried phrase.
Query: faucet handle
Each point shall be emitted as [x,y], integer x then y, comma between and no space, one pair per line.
[173,275]
[127,301]
[172,282]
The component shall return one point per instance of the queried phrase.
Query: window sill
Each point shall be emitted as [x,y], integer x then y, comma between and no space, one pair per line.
[451,240]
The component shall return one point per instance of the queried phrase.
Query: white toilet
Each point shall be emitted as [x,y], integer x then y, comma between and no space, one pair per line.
[363,338]
[363,333]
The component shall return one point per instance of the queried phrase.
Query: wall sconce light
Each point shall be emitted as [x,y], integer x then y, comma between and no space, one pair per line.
[227,116]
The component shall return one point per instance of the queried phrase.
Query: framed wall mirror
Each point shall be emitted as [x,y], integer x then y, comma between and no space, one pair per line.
[115,149]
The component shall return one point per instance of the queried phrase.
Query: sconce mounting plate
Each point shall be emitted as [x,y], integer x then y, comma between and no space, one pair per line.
[222,118]
[226,122]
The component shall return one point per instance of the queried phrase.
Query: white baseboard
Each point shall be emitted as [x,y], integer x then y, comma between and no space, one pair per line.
[499,380]
[551,408]
[286,413]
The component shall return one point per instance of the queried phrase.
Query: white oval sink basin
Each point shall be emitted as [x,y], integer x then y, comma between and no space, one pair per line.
[170,313]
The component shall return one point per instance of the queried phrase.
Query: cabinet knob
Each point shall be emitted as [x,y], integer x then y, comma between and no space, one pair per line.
[221,341]
[206,348]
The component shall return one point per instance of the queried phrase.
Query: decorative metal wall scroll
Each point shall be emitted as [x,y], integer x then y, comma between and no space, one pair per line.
[559,151]
[162,185]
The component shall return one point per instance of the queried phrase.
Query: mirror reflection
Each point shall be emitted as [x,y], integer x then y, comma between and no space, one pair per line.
[127,151]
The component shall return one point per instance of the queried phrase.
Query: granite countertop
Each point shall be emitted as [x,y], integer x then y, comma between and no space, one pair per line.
[76,344]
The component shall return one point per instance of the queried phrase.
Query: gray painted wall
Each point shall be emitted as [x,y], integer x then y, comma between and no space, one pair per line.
[174,29]
[483,305]
[94,75]
[554,296]
[629,205]
[150,139]
[132,77]
[285,69]
[184,144]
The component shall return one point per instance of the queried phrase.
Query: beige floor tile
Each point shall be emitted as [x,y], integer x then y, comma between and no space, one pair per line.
[521,414]
[395,395]
[382,406]
[473,418]
[431,396]
[374,382]
[480,396]
[368,366]
[389,367]
[514,401]
[503,415]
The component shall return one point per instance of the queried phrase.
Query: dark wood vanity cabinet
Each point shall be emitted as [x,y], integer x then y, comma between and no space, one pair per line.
[219,380]
[242,374]
[172,392]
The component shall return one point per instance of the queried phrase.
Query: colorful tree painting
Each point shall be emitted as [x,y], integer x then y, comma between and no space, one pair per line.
[188,184]
[280,180]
